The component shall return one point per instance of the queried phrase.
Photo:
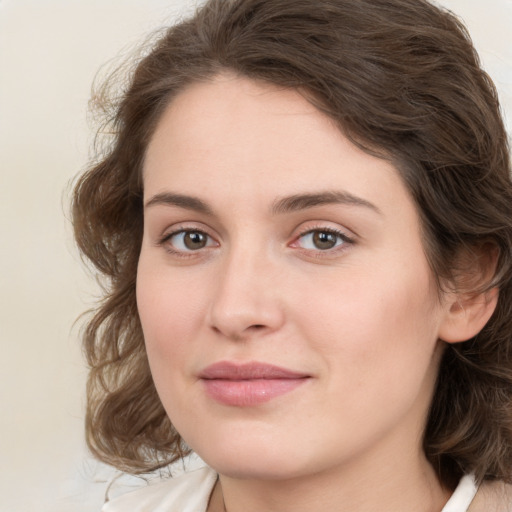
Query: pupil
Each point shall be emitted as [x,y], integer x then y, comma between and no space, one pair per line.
[195,240]
[324,240]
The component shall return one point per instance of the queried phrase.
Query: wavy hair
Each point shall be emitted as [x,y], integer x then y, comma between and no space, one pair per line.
[402,80]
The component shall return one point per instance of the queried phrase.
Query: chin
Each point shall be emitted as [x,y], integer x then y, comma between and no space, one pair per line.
[270,461]
[248,459]
[278,468]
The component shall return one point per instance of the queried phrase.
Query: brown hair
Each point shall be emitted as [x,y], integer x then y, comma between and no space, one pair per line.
[401,78]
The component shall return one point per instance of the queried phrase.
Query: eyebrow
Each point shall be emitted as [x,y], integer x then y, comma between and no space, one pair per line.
[304,201]
[181,201]
[286,204]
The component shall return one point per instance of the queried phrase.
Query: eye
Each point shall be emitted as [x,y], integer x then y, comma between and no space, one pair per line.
[322,240]
[187,240]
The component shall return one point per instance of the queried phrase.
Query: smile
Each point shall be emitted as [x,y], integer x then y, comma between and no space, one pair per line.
[250,384]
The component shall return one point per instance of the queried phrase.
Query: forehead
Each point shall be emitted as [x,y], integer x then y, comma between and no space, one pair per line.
[236,137]
[228,112]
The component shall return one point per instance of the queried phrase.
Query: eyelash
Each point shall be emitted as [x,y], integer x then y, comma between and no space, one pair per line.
[341,243]
[165,242]
[343,240]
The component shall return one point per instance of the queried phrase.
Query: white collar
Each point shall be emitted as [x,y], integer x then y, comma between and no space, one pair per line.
[191,492]
[462,496]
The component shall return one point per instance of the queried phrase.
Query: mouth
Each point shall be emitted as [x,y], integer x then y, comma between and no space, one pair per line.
[249,384]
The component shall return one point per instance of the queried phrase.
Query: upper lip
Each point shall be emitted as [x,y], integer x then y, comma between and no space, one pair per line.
[226,370]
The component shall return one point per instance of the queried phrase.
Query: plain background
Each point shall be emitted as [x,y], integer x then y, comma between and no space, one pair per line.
[50,51]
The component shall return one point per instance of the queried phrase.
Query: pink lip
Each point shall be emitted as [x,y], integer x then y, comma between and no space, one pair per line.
[248,384]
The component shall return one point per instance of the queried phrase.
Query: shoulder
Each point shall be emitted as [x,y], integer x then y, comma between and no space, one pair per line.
[189,492]
[492,497]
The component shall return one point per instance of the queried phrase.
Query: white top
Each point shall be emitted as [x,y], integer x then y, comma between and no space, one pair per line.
[190,493]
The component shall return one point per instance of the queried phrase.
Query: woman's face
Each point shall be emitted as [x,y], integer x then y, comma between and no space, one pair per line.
[289,313]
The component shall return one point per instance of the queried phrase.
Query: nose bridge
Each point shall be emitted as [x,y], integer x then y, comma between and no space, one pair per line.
[246,298]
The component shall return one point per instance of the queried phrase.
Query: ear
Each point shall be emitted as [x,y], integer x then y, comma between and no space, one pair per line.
[466,317]
[470,305]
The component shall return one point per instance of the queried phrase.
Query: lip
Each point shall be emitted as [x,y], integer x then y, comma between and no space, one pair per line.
[249,384]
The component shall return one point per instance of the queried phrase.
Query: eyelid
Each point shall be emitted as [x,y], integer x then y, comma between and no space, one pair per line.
[164,240]
[336,232]
[347,239]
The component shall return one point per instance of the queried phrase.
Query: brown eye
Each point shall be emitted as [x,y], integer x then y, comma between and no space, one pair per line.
[194,240]
[324,240]
[186,241]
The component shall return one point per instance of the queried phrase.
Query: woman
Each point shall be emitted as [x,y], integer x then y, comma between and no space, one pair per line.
[304,218]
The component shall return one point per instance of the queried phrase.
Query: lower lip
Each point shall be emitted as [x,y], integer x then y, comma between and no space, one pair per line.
[247,393]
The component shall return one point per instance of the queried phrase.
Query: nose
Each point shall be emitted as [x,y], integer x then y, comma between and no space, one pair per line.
[248,299]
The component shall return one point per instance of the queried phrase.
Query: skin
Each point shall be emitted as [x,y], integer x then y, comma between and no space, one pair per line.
[361,319]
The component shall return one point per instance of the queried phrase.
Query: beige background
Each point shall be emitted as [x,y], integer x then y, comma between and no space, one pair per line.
[50,51]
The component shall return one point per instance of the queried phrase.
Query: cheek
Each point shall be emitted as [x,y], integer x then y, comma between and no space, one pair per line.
[169,311]
[375,324]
